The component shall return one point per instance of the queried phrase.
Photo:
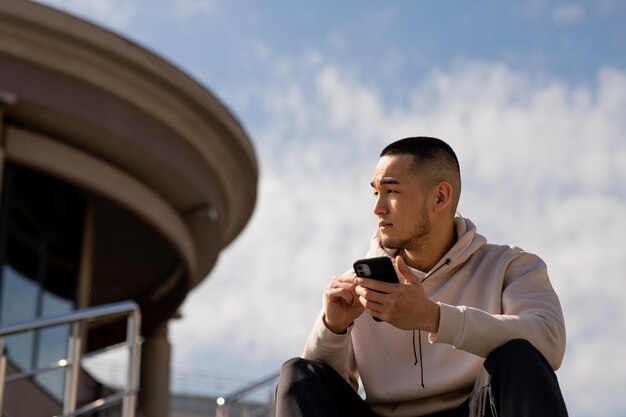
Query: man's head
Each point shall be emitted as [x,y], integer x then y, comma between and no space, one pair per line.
[417,184]
[434,161]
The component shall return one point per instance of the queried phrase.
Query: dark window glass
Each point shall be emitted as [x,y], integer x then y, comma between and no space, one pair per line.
[41,228]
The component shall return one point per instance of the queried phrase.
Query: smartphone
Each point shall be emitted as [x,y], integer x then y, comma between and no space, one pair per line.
[379,268]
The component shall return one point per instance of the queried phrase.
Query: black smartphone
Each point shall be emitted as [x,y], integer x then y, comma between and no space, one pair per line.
[379,268]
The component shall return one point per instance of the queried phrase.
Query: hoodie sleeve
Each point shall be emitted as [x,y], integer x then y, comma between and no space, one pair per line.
[530,310]
[333,349]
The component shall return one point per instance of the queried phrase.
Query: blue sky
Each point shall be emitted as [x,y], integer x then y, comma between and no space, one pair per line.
[531,94]
[571,40]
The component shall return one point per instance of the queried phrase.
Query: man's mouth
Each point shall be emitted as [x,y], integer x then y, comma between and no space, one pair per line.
[384,225]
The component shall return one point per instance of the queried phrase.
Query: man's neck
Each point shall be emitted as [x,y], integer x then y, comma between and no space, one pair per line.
[430,251]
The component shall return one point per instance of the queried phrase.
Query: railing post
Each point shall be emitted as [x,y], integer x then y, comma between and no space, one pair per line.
[271,409]
[222,410]
[71,363]
[3,365]
[72,370]
[132,378]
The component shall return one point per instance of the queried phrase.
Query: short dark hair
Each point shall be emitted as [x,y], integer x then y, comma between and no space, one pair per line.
[433,158]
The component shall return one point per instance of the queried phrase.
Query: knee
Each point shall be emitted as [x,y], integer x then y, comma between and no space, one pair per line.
[294,364]
[296,368]
[515,348]
[298,376]
[291,363]
[519,353]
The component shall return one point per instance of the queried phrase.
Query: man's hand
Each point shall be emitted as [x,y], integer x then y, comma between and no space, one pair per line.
[403,305]
[341,304]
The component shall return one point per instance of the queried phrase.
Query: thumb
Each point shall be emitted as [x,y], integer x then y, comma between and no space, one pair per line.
[405,272]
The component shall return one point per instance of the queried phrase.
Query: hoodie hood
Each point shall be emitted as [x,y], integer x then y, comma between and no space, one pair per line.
[469,241]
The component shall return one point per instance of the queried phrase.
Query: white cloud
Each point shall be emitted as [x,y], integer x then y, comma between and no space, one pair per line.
[544,166]
[543,163]
[189,8]
[568,13]
[532,9]
[346,103]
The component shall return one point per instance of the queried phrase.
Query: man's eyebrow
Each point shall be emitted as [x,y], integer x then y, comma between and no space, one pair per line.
[385,181]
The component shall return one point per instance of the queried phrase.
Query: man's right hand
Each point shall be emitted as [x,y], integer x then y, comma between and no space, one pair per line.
[341,304]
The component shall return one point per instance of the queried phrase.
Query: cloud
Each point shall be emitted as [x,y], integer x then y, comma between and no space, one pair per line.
[531,9]
[544,167]
[543,163]
[184,9]
[568,13]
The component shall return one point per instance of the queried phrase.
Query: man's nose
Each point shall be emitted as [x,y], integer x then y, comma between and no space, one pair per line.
[380,207]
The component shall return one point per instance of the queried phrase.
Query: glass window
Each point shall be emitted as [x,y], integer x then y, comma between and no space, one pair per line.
[52,342]
[18,303]
[41,229]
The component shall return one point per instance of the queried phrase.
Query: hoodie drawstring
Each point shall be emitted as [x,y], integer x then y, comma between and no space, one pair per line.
[448,261]
[419,336]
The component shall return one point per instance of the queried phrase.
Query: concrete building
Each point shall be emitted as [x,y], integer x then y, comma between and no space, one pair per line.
[122,178]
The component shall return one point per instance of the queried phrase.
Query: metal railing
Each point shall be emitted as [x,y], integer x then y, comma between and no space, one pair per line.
[224,403]
[127,396]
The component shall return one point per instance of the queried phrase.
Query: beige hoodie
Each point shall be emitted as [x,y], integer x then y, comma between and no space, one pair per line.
[489,294]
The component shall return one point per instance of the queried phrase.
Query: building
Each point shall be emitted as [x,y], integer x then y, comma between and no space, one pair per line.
[122,178]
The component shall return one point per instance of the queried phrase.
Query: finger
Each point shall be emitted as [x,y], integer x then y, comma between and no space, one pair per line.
[375,285]
[341,284]
[344,279]
[371,295]
[371,306]
[405,272]
[374,310]
[341,281]
[340,292]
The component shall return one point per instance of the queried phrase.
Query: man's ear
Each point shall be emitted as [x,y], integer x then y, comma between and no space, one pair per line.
[443,196]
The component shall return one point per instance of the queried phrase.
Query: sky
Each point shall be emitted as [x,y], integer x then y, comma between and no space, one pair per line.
[530,94]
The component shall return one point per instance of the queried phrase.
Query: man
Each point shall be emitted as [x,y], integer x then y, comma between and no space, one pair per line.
[472,329]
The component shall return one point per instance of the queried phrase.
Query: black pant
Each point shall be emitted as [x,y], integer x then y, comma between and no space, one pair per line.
[516,381]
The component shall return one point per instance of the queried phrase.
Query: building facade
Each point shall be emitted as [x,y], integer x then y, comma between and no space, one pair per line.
[122,178]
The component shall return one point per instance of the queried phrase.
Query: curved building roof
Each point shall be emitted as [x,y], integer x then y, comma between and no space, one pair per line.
[162,160]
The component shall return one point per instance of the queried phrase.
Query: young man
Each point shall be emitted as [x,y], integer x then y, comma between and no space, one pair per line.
[472,329]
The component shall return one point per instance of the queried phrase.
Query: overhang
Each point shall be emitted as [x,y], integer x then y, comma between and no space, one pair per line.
[138,117]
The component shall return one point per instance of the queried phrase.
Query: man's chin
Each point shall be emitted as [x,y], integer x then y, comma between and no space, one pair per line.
[390,243]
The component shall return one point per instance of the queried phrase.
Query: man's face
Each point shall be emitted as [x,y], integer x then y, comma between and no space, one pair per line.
[401,203]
